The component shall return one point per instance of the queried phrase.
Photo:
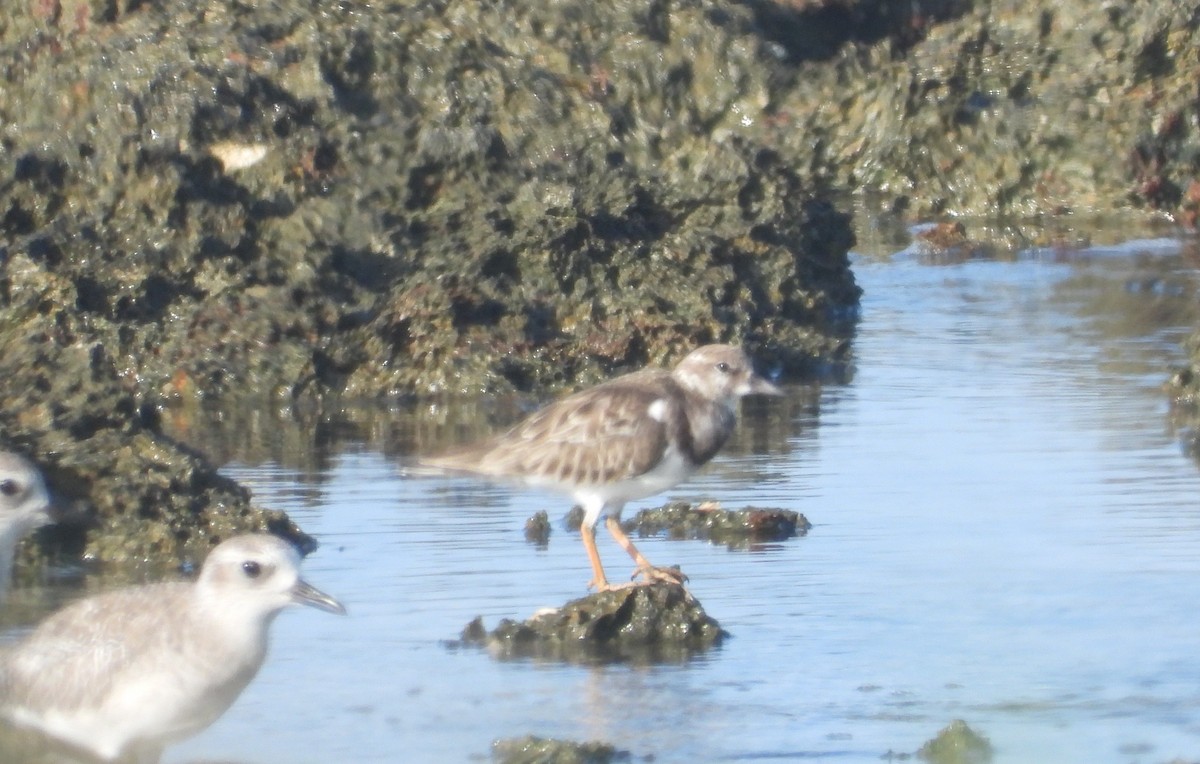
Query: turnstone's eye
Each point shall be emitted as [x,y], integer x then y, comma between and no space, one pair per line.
[251,569]
[723,367]
[9,487]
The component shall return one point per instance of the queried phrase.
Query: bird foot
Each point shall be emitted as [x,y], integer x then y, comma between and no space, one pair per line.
[651,574]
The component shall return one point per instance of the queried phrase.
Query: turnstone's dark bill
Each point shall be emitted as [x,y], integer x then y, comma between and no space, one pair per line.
[626,439]
[24,506]
[125,673]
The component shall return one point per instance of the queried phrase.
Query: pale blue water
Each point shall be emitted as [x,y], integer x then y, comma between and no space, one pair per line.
[1006,532]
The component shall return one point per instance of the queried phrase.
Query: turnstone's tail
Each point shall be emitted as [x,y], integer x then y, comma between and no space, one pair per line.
[465,460]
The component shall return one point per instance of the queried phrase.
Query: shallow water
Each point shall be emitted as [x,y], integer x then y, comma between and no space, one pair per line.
[1006,532]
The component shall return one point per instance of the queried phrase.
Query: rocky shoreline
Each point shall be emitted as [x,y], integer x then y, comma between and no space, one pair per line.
[320,203]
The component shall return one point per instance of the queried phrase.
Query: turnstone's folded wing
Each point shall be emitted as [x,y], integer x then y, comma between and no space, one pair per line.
[605,434]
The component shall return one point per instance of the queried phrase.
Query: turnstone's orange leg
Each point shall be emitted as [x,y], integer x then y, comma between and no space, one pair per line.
[649,573]
[599,581]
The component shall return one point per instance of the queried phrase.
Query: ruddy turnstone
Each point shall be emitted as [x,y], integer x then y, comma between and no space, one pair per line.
[625,439]
[127,672]
[24,506]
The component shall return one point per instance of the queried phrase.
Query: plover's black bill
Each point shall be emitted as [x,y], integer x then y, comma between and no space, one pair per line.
[304,593]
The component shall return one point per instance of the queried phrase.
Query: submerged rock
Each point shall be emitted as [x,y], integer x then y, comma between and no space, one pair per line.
[957,743]
[537,528]
[652,623]
[573,520]
[734,528]
[539,750]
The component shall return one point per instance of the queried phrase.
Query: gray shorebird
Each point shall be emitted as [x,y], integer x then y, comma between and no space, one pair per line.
[626,439]
[24,506]
[125,673]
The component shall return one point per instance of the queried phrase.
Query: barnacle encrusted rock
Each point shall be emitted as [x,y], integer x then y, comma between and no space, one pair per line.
[732,527]
[653,623]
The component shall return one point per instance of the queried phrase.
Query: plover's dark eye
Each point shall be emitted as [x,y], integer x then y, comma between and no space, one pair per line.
[251,569]
[9,487]
[723,367]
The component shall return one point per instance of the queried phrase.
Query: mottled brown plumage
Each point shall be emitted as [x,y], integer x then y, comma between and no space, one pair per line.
[626,439]
[599,435]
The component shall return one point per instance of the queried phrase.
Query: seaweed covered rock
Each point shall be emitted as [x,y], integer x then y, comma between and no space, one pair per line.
[1006,108]
[651,623]
[539,750]
[456,197]
[734,528]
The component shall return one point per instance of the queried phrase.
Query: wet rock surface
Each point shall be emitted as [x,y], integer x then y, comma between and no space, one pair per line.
[539,750]
[735,528]
[134,495]
[979,108]
[573,210]
[653,623]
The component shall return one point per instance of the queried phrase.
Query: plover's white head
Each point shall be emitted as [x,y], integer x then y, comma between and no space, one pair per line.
[24,506]
[126,672]
[259,573]
[721,373]
[24,501]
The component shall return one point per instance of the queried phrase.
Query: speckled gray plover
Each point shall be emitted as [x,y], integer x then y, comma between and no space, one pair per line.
[125,673]
[628,438]
[24,506]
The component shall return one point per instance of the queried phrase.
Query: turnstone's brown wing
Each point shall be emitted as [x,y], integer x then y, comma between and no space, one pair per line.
[608,433]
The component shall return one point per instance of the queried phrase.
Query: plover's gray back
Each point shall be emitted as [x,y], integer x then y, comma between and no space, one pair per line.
[24,505]
[125,673]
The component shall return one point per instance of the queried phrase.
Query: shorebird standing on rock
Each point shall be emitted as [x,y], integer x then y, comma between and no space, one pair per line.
[125,673]
[24,506]
[628,438]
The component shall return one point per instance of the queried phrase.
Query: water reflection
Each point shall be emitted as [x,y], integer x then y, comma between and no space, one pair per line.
[251,431]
